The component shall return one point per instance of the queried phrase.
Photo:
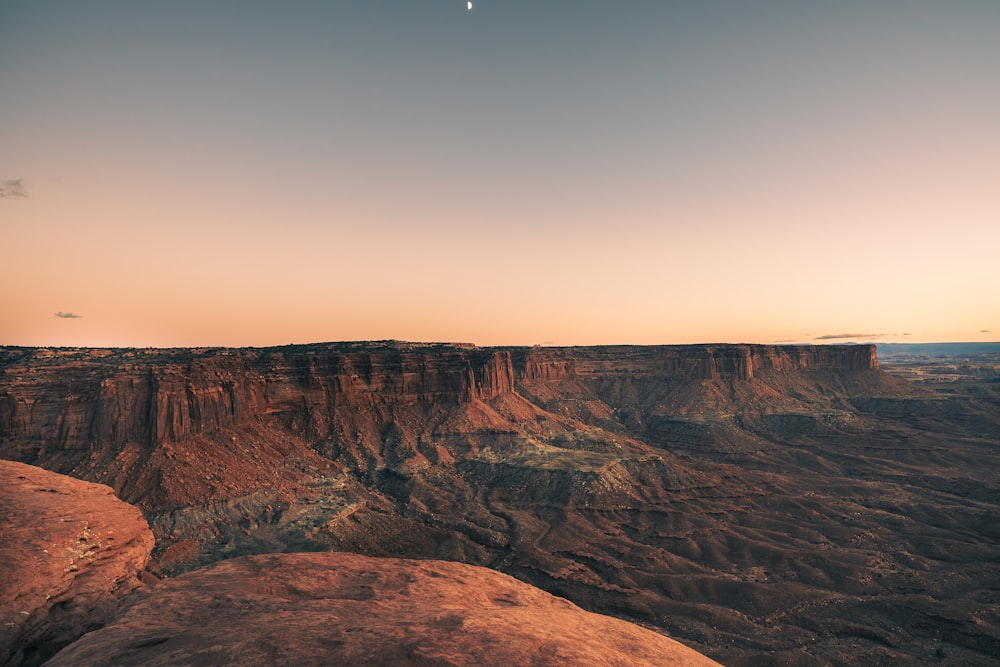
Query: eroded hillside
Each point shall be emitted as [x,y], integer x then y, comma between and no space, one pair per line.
[783,505]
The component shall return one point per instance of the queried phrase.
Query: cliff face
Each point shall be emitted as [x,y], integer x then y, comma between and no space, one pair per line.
[689,362]
[72,399]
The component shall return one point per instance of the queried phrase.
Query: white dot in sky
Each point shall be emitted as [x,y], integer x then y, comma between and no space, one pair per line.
[469,5]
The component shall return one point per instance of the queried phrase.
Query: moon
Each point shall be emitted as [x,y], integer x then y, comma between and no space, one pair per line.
[468,5]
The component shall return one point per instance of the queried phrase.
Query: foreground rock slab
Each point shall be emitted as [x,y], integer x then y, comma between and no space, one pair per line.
[339,608]
[69,551]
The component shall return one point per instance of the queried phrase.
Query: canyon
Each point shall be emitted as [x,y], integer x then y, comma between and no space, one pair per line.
[784,505]
[75,592]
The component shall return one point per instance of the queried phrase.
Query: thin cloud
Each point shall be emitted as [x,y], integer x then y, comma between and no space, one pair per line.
[984,331]
[847,335]
[13,188]
[67,316]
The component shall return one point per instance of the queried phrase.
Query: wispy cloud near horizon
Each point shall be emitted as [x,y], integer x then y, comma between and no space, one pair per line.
[847,335]
[13,188]
[866,336]
[67,316]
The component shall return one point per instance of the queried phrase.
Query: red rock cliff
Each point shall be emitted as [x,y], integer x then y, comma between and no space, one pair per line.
[72,399]
[68,398]
[692,362]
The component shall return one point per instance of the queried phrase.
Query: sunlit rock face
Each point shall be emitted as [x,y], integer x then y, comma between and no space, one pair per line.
[68,399]
[336,608]
[69,552]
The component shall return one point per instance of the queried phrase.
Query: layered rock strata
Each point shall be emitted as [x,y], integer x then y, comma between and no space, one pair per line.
[69,399]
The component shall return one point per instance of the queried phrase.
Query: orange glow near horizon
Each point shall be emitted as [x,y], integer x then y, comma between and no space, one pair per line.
[244,288]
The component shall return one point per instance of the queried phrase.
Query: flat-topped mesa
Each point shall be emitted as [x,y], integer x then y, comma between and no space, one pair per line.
[449,374]
[694,362]
[814,357]
[69,399]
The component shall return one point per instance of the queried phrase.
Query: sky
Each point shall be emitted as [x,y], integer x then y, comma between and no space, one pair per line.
[556,172]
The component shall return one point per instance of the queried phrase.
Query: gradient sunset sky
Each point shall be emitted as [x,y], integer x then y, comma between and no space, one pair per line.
[528,172]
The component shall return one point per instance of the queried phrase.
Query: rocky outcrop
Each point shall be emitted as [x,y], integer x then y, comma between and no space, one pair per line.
[69,552]
[334,608]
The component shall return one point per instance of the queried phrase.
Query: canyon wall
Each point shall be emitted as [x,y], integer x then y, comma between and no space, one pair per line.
[690,362]
[69,399]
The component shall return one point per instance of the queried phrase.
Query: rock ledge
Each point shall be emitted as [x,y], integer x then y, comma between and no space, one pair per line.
[69,552]
[339,608]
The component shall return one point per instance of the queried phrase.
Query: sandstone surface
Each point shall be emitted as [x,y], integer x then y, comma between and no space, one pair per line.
[334,608]
[69,552]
